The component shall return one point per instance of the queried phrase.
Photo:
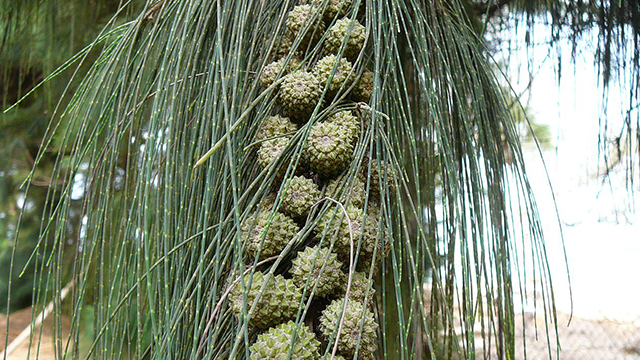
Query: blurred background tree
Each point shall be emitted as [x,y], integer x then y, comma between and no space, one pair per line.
[37,38]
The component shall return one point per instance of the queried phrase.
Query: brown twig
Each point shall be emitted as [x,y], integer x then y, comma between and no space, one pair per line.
[490,7]
[149,16]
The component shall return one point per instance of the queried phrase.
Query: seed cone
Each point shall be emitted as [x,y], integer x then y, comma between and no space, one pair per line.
[267,202]
[374,248]
[308,266]
[364,88]
[275,126]
[270,72]
[347,192]
[301,195]
[299,94]
[348,122]
[277,303]
[356,317]
[276,236]
[284,48]
[329,149]
[338,232]
[332,9]
[381,173]
[360,284]
[337,35]
[343,74]
[270,151]
[275,344]
[302,16]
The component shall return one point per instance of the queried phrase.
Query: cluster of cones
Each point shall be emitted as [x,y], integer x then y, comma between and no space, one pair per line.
[348,241]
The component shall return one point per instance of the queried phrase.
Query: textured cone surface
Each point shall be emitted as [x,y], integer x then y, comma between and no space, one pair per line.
[270,72]
[343,74]
[374,247]
[364,88]
[278,302]
[280,231]
[347,192]
[307,266]
[284,48]
[301,195]
[360,284]
[299,94]
[338,232]
[347,121]
[267,202]
[356,315]
[337,34]
[332,9]
[299,18]
[275,126]
[338,357]
[270,151]
[375,241]
[381,173]
[329,149]
[275,343]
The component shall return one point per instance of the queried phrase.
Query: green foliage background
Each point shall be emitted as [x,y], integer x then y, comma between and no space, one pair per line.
[37,37]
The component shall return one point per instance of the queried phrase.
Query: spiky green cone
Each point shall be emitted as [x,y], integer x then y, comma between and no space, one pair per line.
[381,173]
[364,88]
[332,9]
[337,34]
[275,125]
[269,153]
[307,266]
[270,72]
[299,94]
[301,195]
[284,47]
[343,74]
[367,236]
[277,303]
[360,284]
[278,234]
[347,192]
[356,316]
[374,247]
[347,121]
[267,202]
[339,357]
[302,16]
[329,149]
[338,231]
[275,344]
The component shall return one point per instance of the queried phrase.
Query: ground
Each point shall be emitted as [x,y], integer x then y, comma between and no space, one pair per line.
[584,339]
[19,321]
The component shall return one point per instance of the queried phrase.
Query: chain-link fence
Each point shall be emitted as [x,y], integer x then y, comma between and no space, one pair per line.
[581,339]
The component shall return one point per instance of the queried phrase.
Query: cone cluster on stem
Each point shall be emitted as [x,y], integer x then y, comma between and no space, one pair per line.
[320,217]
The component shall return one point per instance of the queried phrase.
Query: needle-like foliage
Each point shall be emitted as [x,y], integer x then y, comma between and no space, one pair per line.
[162,129]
